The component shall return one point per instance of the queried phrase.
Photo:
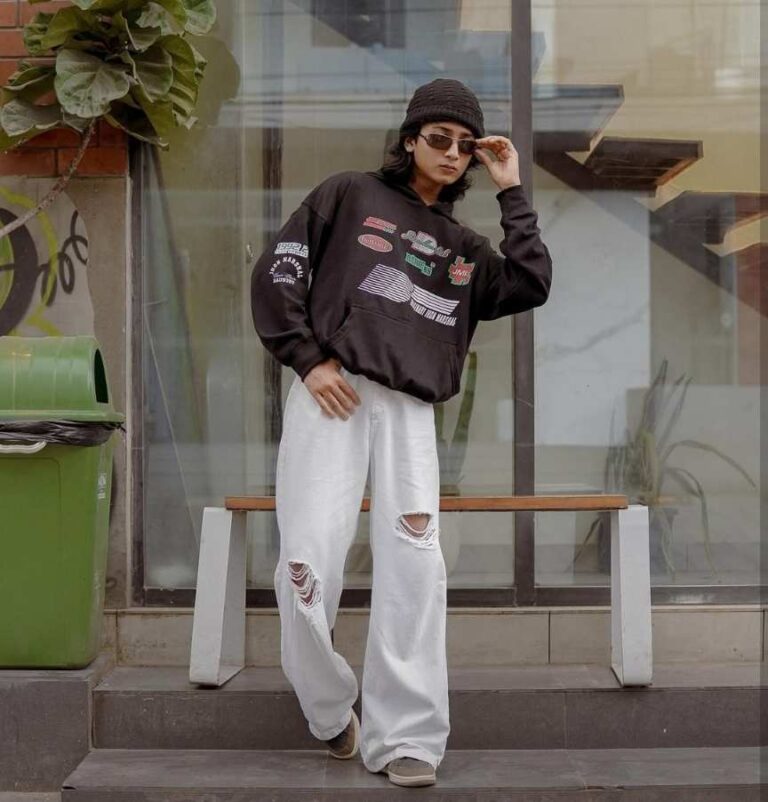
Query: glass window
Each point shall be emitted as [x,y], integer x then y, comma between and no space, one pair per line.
[294,93]
[646,152]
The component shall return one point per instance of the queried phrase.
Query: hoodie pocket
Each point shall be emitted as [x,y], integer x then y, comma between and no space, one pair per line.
[395,354]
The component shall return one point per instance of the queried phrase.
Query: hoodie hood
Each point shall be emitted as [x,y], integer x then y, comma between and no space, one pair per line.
[444,208]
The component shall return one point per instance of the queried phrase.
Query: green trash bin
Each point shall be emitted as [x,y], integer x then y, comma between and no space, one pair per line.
[56,438]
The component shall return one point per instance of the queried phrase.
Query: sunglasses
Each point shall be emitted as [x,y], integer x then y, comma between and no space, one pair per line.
[443,142]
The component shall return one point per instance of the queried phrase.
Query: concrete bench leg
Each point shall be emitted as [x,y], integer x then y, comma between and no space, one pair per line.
[631,641]
[218,628]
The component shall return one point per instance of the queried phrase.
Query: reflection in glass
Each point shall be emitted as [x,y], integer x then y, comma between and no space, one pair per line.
[322,88]
[647,368]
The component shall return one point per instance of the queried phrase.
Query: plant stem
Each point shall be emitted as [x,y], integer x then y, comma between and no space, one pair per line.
[56,189]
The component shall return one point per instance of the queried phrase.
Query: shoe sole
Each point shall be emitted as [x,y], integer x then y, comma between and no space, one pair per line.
[356,736]
[412,782]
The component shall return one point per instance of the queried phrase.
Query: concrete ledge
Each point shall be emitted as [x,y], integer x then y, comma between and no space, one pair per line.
[504,636]
[45,724]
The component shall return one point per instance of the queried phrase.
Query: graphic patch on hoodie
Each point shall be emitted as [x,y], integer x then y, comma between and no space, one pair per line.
[425,243]
[375,243]
[460,272]
[286,270]
[394,285]
[382,225]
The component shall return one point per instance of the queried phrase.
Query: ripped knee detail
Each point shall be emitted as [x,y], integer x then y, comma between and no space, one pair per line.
[418,528]
[305,584]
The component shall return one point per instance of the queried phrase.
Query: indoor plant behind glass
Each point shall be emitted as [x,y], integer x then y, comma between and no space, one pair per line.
[640,468]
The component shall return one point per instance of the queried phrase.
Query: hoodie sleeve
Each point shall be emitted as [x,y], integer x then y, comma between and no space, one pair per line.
[520,279]
[279,287]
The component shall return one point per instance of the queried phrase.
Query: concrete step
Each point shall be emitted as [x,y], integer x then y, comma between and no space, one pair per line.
[565,775]
[514,707]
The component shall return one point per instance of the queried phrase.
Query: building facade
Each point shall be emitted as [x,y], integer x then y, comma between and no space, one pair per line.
[638,129]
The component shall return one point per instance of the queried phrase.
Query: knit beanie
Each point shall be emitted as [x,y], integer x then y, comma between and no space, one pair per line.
[445,99]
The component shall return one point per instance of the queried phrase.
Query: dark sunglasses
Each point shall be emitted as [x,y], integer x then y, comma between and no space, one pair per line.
[443,142]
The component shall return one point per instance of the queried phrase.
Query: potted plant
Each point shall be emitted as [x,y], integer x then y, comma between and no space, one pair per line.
[641,468]
[125,61]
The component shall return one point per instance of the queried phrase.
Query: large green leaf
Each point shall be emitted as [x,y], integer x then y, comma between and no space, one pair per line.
[159,113]
[201,15]
[154,69]
[66,24]
[35,30]
[20,116]
[8,142]
[200,62]
[134,122]
[30,82]
[139,38]
[109,6]
[167,15]
[79,124]
[86,85]
[183,92]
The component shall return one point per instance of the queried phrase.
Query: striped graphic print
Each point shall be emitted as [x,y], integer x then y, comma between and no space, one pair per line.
[395,285]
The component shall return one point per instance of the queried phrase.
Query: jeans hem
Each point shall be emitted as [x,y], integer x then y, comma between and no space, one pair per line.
[326,733]
[402,751]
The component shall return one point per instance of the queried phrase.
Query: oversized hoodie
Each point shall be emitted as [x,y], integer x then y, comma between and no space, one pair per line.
[367,272]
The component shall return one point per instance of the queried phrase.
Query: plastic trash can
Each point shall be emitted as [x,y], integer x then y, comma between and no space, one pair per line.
[56,438]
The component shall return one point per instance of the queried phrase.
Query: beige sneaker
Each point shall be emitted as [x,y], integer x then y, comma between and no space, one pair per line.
[347,743]
[410,772]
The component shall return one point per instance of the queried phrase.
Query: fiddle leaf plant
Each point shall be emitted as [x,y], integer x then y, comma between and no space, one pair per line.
[640,467]
[128,62]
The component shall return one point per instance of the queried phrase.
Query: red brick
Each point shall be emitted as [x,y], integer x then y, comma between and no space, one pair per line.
[109,136]
[12,44]
[9,14]
[7,68]
[57,138]
[28,11]
[28,162]
[96,161]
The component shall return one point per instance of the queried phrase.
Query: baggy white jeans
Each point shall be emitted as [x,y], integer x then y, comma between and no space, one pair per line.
[322,468]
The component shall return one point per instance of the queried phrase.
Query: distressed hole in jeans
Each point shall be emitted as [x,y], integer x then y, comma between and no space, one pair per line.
[418,528]
[305,583]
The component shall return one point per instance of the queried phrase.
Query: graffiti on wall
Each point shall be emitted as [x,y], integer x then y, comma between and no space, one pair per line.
[43,265]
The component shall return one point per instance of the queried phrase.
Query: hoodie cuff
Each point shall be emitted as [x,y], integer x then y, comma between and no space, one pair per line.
[305,356]
[510,192]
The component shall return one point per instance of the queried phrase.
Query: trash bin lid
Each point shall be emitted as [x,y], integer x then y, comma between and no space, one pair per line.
[54,378]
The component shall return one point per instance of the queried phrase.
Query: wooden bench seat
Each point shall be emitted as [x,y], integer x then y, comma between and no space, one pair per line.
[218,629]
[469,503]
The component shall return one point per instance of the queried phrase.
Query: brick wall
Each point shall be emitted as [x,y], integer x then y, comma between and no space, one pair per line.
[49,154]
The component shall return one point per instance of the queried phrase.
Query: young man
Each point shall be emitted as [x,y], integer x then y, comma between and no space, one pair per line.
[372,292]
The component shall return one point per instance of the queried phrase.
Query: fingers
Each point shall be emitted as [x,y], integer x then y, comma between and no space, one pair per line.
[500,146]
[335,396]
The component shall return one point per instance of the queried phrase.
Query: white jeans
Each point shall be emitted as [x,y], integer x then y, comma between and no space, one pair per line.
[322,469]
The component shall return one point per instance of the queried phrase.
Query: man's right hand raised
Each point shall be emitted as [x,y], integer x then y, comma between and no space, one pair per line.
[336,397]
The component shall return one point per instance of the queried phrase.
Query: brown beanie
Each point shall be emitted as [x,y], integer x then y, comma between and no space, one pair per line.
[445,99]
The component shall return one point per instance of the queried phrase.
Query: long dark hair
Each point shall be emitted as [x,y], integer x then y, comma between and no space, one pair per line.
[398,166]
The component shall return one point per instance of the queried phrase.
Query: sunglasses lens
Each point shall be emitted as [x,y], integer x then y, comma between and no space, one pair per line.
[443,142]
[439,141]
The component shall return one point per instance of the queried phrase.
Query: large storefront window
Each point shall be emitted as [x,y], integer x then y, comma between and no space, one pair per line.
[647,177]
[638,131]
[323,88]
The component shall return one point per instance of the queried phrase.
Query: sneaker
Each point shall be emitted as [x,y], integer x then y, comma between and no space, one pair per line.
[347,743]
[410,772]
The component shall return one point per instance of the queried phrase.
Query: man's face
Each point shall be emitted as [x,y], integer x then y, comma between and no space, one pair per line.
[441,166]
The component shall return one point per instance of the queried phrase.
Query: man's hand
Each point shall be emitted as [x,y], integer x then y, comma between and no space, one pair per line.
[505,169]
[328,387]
